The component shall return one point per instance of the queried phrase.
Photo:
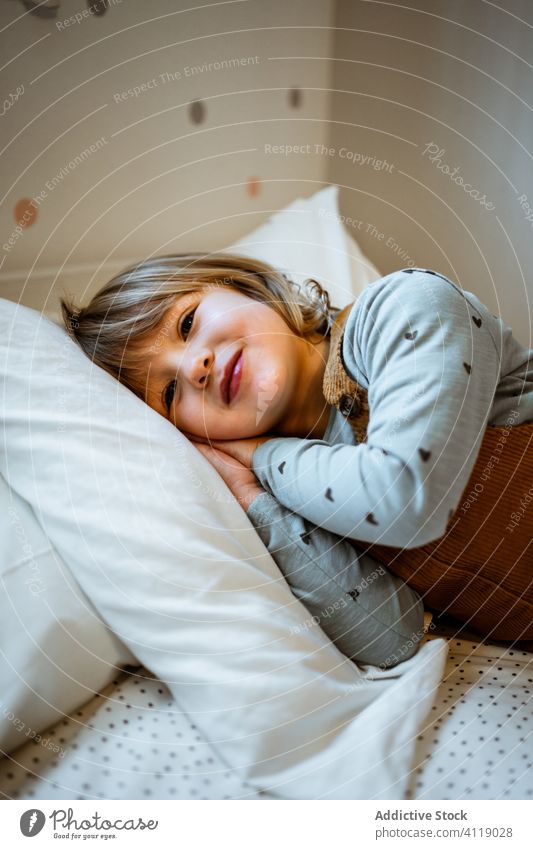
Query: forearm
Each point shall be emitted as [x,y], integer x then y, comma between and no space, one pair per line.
[353,491]
[372,616]
[431,375]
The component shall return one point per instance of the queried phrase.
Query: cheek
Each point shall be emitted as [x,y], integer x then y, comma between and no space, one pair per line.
[269,379]
[199,419]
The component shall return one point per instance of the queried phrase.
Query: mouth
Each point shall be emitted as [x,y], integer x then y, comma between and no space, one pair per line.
[231,378]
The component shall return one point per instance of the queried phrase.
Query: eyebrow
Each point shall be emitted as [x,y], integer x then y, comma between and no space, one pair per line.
[162,394]
[162,384]
[182,304]
[155,386]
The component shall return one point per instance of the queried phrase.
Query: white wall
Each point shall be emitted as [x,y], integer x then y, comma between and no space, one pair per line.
[158,182]
[392,78]
[457,74]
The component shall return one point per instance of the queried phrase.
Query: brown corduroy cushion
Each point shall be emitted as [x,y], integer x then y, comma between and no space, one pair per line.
[481,570]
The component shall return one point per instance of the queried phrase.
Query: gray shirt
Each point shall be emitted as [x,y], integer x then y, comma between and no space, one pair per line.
[438,367]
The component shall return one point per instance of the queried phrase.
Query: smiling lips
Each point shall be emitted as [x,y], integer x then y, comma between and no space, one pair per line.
[232,378]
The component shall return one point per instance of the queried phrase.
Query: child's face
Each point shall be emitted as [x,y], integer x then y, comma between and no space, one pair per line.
[189,354]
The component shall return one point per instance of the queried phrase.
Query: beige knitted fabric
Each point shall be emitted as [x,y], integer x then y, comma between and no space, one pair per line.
[479,571]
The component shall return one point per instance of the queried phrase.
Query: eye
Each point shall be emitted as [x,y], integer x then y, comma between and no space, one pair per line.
[185,327]
[169,395]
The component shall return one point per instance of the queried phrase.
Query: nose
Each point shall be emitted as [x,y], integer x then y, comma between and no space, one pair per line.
[199,368]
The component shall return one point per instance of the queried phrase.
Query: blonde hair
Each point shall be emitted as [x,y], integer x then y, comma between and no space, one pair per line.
[112,327]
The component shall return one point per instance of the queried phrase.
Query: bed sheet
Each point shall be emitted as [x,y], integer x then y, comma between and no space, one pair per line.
[132,741]
[478,740]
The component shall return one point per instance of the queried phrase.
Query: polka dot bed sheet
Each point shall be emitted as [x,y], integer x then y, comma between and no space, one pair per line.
[477,742]
[131,741]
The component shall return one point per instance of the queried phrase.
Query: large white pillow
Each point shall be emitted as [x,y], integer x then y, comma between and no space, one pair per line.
[308,239]
[175,568]
[55,651]
[173,565]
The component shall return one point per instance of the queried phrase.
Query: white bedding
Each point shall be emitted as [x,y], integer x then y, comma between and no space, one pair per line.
[208,613]
[121,496]
[478,741]
[132,741]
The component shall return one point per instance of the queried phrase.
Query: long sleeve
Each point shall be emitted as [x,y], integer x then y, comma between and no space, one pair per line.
[371,615]
[428,354]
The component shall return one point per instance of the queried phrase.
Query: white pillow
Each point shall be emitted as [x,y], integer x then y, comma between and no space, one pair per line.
[49,643]
[176,569]
[308,239]
[55,651]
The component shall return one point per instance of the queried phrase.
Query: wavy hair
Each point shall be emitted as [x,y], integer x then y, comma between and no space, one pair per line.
[127,310]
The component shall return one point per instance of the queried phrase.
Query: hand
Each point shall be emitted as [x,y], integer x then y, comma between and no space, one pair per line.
[241,481]
[241,449]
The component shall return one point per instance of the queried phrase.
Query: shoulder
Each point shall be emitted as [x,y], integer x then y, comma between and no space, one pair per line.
[413,303]
[405,296]
[414,286]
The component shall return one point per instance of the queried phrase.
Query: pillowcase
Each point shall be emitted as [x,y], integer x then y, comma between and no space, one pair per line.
[55,646]
[174,566]
[55,651]
[308,239]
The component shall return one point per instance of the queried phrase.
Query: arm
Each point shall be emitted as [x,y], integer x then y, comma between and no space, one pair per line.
[431,373]
[372,616]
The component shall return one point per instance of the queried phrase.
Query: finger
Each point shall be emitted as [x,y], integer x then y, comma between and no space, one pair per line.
[227,447]
[203,449]
[210,453]
[218,458]
[235,447]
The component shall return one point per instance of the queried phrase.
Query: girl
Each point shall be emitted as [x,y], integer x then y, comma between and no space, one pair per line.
[344,434]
